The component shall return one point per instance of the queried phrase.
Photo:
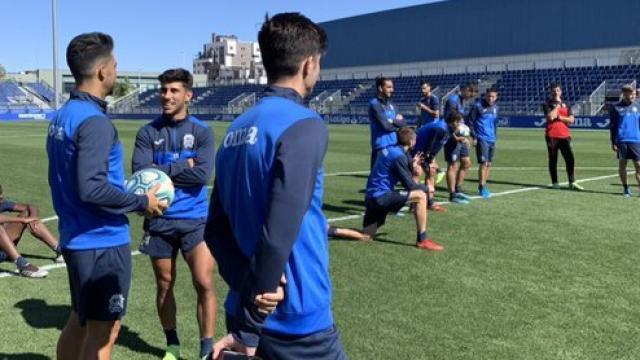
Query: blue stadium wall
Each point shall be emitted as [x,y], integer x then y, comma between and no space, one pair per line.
[458,29]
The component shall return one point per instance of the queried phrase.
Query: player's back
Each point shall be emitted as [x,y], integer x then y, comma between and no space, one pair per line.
[431,137]
[383,177]
[246,165]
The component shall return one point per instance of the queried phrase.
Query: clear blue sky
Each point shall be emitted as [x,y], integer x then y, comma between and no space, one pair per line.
[151,35]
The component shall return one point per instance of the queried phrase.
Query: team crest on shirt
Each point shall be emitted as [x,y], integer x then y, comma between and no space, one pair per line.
[116,304]
[187,141]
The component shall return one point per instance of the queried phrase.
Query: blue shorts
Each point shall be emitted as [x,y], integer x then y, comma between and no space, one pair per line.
[629,151]
[99,282]
[377,208]
[484,151]
[454,151]
[324,344]
[164,237]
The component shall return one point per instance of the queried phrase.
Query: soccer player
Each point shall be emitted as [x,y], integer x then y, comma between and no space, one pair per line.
[456,150]
[483,119]
[266,214]
[429,105]
[384,119]
[558,136]
[392,166]
[86,176]
[11,230]
[625,134]
[430,139]
[183,147]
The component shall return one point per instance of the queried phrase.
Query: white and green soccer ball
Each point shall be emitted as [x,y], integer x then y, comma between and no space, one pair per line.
[143,180]
[463,130]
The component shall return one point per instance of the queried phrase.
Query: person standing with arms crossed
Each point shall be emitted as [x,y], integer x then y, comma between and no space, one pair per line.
[558,136]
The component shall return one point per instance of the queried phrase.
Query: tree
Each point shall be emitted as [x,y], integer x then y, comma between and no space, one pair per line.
[122,88]
[3,72]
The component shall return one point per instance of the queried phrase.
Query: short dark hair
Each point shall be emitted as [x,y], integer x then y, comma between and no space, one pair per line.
[425,82]
[405,135]
[453,117]
[492,90]
[471,86]
[285,40]
[380,80]
[174,75]
[554,85]
[628,89]
[84,51]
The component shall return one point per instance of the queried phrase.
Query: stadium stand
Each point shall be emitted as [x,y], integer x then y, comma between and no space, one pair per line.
[521,91]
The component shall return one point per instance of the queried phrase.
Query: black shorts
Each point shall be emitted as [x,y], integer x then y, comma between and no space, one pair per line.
[378,208]
[99,282]
[324,344]
[454,150]
[629,151]
[163,238]
[484,151]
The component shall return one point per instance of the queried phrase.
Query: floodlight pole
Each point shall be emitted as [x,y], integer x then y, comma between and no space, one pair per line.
[56,84]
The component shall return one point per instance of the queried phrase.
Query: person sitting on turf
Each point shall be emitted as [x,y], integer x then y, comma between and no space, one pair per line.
[429,141]
[11,230]
[391,166]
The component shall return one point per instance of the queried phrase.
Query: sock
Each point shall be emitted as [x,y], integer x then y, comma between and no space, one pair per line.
[480,187]
[332,231]
[58,249]
[458,188]
[430,202]
[172,337]
[451,195]
[21,262]
[422,236]
[626,188]
[206,346]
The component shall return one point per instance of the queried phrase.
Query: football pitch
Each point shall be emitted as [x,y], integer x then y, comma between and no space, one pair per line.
[531,273]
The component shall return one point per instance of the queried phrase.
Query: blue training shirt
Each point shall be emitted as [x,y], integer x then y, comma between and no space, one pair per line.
[392,166]
[454,103]
[166,144]
[483,118]
[266,218]
[431,138]
[433,103]
[625,123]
[86,176]
[383,123]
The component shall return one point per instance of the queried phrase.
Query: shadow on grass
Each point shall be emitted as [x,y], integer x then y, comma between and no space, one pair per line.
[23,356]
[347,210]
[40,315]
[391,242]
[35,256]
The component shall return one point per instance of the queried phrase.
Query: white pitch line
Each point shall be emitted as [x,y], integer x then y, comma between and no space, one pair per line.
[354,216]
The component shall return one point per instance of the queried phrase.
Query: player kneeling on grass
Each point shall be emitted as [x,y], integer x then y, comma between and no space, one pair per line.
[391,166]
[625,134]
[483,118]
[11,230]
[183,147]
[429,141]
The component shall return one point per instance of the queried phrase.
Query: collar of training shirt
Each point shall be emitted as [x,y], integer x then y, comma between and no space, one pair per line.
[85,96]
[287,93]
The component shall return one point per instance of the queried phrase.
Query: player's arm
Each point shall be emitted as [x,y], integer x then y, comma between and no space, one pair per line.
[472,119]
[15,207]
[614,121]
[403,170]
[202,170]
[381,117]
[299,155]
[94,139]
[569,119]
[435,107]
[550,111]
[143,156]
